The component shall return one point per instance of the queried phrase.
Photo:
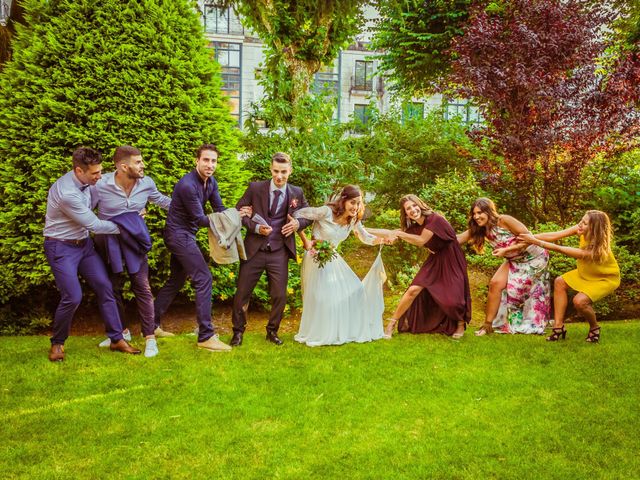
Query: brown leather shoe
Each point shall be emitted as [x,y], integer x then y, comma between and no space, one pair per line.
[122,346]
[56,353]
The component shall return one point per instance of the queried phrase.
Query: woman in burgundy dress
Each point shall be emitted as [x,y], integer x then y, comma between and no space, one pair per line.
[438,300]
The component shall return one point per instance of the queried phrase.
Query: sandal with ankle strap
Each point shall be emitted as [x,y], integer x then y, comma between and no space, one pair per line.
[593,336]
[390,327]
[557,334]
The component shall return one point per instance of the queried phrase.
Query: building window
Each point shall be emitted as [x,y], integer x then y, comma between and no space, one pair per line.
[411,110]
[326,80]
[229,56]
[362,116]
[363,79]
[219,19]
[462,109]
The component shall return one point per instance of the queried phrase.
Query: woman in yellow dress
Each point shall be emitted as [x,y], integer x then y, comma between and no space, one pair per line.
[597,274]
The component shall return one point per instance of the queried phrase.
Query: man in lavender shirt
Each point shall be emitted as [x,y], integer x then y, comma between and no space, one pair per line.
[127,190]
[69,251]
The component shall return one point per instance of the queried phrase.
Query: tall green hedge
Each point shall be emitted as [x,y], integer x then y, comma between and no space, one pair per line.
[103,73]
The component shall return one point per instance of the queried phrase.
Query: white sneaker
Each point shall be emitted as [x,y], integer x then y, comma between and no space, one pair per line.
[160,333]
[214,344]
[126,333]
[151,348]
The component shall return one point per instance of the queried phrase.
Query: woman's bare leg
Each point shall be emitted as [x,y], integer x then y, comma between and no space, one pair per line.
[405,302]
[560,301]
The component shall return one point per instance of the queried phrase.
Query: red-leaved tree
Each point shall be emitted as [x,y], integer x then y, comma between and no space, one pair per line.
[534,67]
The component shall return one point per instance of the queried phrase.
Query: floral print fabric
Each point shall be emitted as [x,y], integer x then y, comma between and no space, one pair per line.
[525,303]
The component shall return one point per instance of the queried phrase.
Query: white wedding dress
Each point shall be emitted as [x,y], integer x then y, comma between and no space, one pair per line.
[337,307]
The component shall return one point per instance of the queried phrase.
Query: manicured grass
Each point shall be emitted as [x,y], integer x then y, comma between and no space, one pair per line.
[414,407]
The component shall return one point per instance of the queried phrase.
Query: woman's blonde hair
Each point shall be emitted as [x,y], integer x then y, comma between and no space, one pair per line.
[405,222]
[477,233]
[598,235]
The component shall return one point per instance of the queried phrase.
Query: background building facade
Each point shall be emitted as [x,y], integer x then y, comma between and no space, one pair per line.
[352,76]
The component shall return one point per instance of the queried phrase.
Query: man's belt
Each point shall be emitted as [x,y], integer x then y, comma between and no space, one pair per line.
[76,243]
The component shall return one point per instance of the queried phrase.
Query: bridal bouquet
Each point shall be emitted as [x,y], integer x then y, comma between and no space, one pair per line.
[323,252]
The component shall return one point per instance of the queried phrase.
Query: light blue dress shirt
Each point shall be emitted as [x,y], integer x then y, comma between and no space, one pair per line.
[69,215]
[112,200]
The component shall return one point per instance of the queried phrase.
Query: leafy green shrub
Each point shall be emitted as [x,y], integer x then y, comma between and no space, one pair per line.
[452,195]
[15,322]
[485,262]
[104,73]
[614,187]
[406,157]
[629,264]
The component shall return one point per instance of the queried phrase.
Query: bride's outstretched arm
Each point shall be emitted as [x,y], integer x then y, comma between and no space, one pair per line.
[382,232]
[370,236]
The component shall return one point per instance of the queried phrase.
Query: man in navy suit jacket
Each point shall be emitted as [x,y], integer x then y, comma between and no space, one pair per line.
[269,247]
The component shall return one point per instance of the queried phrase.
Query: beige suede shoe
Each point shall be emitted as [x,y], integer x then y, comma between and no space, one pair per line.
[214,344]
[160,333]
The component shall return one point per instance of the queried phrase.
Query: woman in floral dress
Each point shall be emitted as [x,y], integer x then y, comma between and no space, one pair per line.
[519,291]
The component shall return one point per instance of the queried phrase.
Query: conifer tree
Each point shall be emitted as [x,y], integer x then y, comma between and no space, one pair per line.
[103,73]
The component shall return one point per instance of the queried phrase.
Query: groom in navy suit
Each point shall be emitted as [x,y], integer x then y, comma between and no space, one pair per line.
[269,244]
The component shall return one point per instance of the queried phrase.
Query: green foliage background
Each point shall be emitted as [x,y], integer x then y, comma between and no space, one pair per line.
[415,38]
[325,157]
[103,73]
[407,156]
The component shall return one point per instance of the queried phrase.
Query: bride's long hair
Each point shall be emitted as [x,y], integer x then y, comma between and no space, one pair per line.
[338,200]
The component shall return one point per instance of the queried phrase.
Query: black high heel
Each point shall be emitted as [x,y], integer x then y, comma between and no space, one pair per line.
[557,334]
[593,336]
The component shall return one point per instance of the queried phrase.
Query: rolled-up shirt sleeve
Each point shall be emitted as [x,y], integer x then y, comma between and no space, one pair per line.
[158,198]
[75,208]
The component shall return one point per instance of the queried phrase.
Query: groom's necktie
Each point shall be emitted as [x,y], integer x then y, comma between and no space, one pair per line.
[274,203]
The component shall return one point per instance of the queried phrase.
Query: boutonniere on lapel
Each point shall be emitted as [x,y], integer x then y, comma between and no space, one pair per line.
[294,203]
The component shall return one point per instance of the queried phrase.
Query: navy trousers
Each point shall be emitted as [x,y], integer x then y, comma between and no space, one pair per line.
[142,291]
[139,285]
[67,261]
[187,261]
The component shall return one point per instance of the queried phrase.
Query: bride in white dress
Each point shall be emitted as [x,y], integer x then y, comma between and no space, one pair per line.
[337,307]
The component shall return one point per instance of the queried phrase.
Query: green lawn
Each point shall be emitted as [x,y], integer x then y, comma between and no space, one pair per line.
[414,407]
